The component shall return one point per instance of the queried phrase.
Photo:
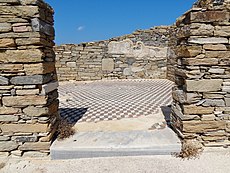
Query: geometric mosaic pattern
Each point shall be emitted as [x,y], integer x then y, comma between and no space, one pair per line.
[113,100]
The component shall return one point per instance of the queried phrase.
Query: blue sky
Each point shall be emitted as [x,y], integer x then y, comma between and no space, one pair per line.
[92,20]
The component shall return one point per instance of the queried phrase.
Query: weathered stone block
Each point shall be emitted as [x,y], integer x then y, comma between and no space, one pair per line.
[179,96]
[71,64]
[4,154]
[27,80]
[5,27]
[122,47]
[130,60]
[24,128]
[193,97]
[9,118]
[50,135]
[197,110]
[29,41]
[21,35]
[213,96]
[16,153]
[24,138]
[215,47]
[201,29]
[203,126]
[6,87]
[49,87]
[4,81]
[223,109]
[214,102]
[217,54]
[35,146]
[13,67]
[225,116]
[216,133]
[216,71]
[8,146]
[22,29]
[227,102]
[7,42]
[189,51]
[22,101]
[197,61]
[226,83]
[27,92]
[222,31]
[10,1]
[213,138]
[41,26]
[209,16]
[127,71]
[208,40]
[217,144]
[20,11]
[30,2]
[39,68]
[36,111]
[204,85]
[4,138]
[108,64]
[8,110]
[210,117]
[23,56]
[226,89]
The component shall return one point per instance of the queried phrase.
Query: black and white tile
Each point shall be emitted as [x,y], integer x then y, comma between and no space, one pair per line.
[113,100]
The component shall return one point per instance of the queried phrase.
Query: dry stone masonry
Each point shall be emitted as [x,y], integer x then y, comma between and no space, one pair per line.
[28,80]
[194,53]
[201,108]
[142,54]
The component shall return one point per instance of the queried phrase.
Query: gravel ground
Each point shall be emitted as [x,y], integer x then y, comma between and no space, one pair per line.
[209,162]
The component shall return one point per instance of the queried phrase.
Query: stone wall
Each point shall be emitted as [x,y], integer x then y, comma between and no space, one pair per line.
[201,107]
[142,54]
[171,56]
[197,60]
[28,87]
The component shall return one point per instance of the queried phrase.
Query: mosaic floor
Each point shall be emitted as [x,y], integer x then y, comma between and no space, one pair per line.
[112,100]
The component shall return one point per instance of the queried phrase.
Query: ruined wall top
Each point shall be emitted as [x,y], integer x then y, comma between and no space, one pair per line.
[25,9]
[211,3]
[39,3]
[141,54]
[159,36]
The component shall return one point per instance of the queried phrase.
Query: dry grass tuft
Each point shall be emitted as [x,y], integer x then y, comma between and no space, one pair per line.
[65,130]
[190,150]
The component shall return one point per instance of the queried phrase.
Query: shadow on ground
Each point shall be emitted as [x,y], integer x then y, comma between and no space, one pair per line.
[166,110]
[72,115]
